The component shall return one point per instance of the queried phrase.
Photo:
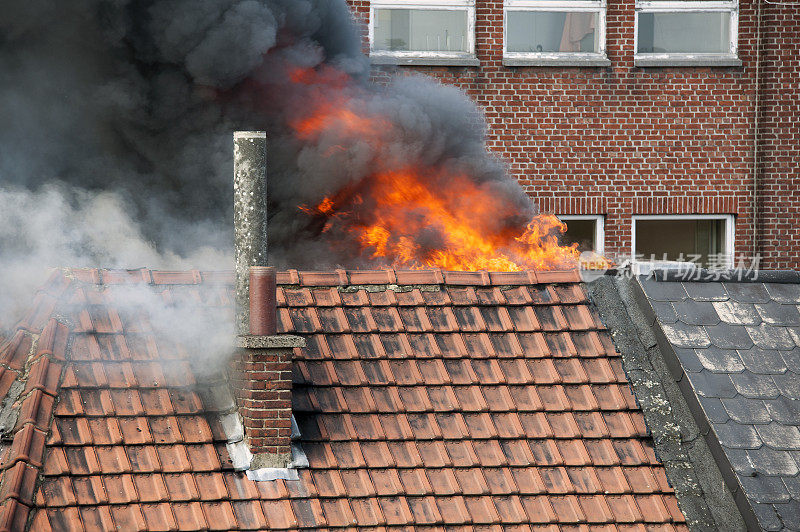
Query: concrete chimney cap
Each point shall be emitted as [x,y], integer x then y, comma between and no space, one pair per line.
[249,134]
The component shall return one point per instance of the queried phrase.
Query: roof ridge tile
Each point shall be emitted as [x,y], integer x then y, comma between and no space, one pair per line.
[417,277]
[476,278]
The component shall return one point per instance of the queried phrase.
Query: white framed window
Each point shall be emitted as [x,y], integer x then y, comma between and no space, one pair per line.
[554,32]
[586,230]
[422,32]
[686,33]
[704,239]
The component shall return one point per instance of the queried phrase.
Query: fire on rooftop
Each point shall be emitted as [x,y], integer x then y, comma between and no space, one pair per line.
[422,215]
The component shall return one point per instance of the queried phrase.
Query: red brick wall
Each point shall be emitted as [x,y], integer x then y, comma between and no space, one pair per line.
[779,134]
[623,140]
[262,382]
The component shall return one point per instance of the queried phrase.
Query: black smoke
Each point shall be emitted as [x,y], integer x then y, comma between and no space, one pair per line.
[138,99]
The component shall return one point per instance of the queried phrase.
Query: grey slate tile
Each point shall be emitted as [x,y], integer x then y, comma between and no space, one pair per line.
[793,483]
[764,489]
[688,359]
[737,436]
[714,409]
[771,337]
[767,517]
[696,312]
[773,462]
[747,292]
[729,336]
[779,436]
[706,291]
[663,291]
[755,386]
[784,410]
[720,360]
[682,335]
[737,313]
[778,314]
[792,359]
[665,312]
[784,293]
[794,332]
[709,384]
[790,514]
[740,462]
[788,384]
[747,411]
[763,361]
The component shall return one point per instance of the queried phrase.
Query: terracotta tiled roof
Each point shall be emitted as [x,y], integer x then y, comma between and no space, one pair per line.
[423,398]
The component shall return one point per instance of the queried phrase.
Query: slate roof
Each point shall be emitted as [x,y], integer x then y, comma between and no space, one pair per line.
[425,398]
[736,347]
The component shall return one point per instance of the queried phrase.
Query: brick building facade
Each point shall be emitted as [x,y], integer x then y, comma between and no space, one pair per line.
[620,141]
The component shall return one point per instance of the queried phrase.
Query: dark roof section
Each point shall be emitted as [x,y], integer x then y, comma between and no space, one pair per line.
[424,398]
[736,347]
[678,440]
[692,274]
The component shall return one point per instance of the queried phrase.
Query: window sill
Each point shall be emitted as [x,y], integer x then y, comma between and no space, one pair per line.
[466,60]
[689,60]
[556,61]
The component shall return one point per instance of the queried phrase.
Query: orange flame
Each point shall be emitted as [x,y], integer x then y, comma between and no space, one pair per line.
[402,218]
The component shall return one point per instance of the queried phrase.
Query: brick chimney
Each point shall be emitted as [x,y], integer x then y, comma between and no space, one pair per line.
[262,370]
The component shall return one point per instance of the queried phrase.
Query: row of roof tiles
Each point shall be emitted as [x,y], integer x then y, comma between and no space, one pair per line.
[541,514]
[547,294]
[436,319]
[332,278]
[461,371]
[557,398]
[723,291]
[456,345]
[73,489]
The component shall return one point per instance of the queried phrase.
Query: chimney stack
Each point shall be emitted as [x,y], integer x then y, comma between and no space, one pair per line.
[249,214]
[262,373]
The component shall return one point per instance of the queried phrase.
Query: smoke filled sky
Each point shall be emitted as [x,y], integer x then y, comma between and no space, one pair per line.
[117,116]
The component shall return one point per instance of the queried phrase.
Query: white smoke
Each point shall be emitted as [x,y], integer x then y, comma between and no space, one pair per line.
[57,227]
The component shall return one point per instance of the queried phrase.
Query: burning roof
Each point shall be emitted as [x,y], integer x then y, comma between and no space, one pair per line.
[424,398]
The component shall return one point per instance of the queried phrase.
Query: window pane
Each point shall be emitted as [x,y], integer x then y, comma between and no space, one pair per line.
[581,232]
[421,30]
[551,31]
[681,240]
[698,32]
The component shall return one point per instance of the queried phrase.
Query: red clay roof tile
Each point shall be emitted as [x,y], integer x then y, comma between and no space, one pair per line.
[203,457]
[427,379]
[96,518]
[396,510]
[89,490]
[211,486]
[158,517]
[337,512]
[367,512]
[143,458]
[419,277]
[538,509]
[58,491]
[60,519]
[120,489]
[173,458]
[481,510]
[189,516]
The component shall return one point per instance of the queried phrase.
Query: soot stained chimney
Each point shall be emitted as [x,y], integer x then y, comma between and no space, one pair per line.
[249,215]
[262,373]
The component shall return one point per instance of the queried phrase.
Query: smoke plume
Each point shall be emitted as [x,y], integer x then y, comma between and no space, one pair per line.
[118,114]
